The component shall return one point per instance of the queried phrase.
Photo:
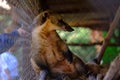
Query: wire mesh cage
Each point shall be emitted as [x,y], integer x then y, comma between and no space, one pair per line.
[84,41]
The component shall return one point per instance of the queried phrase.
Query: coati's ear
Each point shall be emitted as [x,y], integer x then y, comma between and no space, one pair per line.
[45,14]
[41,18]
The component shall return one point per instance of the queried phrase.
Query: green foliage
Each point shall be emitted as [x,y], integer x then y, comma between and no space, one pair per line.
[116,32]
[4,22]
[79,35]
[111,52]
[115,35]
[87,53]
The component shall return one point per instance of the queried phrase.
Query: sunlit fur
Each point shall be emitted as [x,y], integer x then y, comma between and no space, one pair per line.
[48,48]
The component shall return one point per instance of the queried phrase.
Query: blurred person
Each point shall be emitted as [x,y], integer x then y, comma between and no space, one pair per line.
[7,40]
[0,70]
[1,63]
[2,67]
[9,65]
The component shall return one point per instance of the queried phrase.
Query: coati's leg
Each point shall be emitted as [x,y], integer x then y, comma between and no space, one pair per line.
[80,66]
[66,52]
[39,69]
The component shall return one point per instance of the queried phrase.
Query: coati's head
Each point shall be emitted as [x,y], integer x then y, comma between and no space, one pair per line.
[52,20]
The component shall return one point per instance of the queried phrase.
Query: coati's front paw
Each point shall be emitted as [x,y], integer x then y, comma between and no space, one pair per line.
[67,78]
[63,77]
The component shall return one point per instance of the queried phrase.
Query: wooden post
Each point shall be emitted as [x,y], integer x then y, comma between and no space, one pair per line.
[110,32]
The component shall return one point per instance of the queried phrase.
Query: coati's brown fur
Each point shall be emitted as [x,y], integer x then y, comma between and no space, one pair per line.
[50,52]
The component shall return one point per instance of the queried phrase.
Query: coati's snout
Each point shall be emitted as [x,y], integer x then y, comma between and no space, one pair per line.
[53,21]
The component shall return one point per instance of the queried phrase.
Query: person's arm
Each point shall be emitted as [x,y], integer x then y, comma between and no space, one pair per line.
[7,40]
[14,33]
[4,65]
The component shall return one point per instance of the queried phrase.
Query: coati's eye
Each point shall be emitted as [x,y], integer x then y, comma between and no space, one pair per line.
[61,22]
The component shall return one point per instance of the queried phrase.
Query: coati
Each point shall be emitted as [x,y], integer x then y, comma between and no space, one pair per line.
[50,55]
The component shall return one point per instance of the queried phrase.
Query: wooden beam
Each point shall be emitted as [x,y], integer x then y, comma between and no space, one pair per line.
[97,21]
[92,44]
[92,24]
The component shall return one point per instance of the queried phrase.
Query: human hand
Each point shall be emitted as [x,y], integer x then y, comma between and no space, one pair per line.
[23,33]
